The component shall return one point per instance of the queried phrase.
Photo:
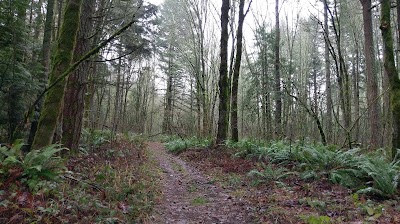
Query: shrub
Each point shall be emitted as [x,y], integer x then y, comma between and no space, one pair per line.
[38,167]
[95,138]
[385,175]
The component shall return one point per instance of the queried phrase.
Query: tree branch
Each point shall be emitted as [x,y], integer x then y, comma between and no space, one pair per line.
[77,63]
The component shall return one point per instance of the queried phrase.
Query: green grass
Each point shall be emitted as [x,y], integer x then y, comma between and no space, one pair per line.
[199,201]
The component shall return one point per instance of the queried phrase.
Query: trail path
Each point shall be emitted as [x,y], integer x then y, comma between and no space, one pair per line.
[190,197]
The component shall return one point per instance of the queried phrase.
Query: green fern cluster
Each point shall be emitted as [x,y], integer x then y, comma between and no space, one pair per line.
[246,147]
[39,167]
[368,173]
[268,173]
[96,138]
[180,145]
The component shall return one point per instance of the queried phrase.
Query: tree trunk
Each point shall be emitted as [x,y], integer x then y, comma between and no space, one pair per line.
[224,84]
[48,27]
[62,59]
[398,30]
[116,115]
[356,92]
[328,76]
[314,62]
[74,99]
[168,97]
[391,71]
[236,72]
[372,83]
[278,97]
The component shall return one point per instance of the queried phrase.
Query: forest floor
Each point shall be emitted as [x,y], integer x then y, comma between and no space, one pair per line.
[113,182]
[131,181]
[211,186]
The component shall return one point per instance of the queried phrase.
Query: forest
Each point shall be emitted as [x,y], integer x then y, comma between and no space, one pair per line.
[199,111]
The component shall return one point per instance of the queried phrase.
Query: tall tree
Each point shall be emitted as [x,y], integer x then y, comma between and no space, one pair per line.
[45,61]
[372,83]
[236,72]
[224,86]
[74,99]
[278,95]
[327,75]
[62,59]
[391,71]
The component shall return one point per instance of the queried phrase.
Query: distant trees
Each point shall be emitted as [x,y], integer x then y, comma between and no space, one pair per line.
[194,69]
[17,68]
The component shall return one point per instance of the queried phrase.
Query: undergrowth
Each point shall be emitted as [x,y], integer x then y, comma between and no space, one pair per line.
[109,183]
[366,173]
[179,145]
[371,173]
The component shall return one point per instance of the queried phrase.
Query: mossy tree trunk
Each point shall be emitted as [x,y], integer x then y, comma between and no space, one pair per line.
[62,59]
[224,84]
[74,99]
[391,71]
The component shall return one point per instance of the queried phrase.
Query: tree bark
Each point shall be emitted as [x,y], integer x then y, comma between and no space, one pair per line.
[224,84]
[117,105]
[356,91]
[236,72]
[391,72]
[74,99]
[48,27]
[372,82]
[168,96]
[327,76]
[278,97]
[398,30]
[62,60]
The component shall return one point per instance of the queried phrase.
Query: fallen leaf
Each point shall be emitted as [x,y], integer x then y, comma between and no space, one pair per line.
[25,199]
[123,207]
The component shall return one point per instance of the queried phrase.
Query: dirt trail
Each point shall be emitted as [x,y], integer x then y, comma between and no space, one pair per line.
[190,197]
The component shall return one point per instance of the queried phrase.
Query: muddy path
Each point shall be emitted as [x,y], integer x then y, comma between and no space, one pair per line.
[188,196]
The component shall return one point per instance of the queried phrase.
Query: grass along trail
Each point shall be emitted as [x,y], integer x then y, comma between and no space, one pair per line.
[188,196]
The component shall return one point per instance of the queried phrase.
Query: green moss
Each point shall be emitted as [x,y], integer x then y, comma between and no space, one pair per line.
[62,60]
[391,71]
